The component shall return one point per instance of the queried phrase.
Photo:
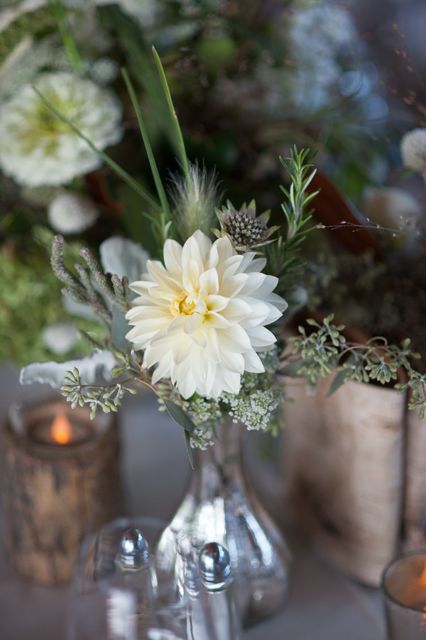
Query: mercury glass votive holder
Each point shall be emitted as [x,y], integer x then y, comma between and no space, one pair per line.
[404,590]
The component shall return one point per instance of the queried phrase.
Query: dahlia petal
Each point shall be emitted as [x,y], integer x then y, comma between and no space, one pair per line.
[217,303]
[209,282]
[252,362]
[278,301]
[220,251]
[231,287]
[216,320]
[173,256]
[256,265]
[261,337]
[234,339]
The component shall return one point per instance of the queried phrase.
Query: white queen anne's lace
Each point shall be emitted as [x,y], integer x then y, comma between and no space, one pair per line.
[200,317]
[37,148]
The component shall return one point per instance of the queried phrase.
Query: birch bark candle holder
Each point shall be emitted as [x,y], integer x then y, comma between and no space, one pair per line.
[60,481]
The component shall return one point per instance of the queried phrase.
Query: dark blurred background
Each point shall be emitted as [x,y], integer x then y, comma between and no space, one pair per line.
[395,31]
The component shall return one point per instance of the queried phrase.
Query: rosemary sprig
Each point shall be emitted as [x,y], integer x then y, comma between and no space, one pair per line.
[284,255]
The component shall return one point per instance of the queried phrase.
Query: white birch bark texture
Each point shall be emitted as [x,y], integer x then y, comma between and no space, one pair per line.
[415,491]
[343,462]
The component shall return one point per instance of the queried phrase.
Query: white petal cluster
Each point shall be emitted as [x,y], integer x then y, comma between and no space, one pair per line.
[201,317]
[37,148]
[71,213]
[413,150]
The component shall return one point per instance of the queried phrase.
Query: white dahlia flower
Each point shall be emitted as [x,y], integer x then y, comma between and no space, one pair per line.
[37,148]
[71,213]
[413,150]
[201,317]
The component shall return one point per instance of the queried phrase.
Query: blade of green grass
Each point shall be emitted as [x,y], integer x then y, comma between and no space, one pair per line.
[180,144]
[143,193]
[58,12]
[151,158]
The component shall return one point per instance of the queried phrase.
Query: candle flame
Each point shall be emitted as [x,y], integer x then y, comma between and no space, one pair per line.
[61,429]
[422,578]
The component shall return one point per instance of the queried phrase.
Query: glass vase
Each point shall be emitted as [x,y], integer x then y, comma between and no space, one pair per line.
[220,506]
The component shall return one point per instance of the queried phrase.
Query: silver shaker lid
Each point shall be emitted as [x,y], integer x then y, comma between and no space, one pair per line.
[215,565]
[134,549]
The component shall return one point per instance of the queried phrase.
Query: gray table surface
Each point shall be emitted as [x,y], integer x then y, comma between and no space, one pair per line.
[322,605]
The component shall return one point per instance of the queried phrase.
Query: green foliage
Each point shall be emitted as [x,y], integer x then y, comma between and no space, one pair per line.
[90,285]
[29,301]
[32,23]
[284,256]
[316,354]
[108,398]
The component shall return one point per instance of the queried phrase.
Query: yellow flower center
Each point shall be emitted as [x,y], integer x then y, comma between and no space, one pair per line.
[182,305]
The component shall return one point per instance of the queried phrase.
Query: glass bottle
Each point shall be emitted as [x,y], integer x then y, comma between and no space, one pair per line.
[219,505]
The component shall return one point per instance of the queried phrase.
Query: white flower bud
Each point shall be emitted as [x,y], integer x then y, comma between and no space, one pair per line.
[413,150]
[71,213]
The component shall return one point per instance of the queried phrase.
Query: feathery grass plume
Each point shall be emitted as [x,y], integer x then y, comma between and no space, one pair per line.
[195,197]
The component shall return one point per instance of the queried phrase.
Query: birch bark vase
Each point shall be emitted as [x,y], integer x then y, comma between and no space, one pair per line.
[344,464]
[415,489]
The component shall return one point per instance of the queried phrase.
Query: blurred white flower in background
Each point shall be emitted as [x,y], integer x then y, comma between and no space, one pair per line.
[200,319]
[413,150]
[144,11]
[60,337]
[323,28]
[317,33]
[71,212]
[37,148]
[392,207]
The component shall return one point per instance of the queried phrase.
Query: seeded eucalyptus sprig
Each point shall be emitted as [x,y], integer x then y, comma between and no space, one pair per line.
[416,388]
[325,350]
[106,397]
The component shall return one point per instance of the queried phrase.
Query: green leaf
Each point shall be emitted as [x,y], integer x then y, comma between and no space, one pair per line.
[179,416]
[339,380]
[180,144]
[119,328]
[137,226]
[60,15]
[189,449]
[292,370]
[147,144]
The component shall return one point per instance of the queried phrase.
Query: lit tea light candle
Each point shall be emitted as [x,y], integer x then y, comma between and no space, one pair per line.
[61,430]
[404,588]
[61,481]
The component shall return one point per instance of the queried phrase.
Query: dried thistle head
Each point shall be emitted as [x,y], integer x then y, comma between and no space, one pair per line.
[195,200]
[242,226]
